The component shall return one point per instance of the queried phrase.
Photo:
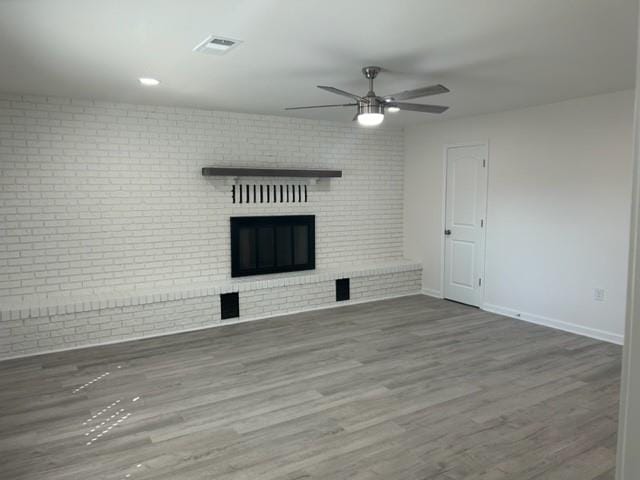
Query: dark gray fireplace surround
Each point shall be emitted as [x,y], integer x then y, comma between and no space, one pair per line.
[272,244]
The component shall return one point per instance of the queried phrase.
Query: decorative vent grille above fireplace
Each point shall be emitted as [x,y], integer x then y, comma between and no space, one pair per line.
[269,193]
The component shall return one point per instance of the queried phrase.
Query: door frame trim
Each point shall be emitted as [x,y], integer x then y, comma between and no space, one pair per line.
[480,143]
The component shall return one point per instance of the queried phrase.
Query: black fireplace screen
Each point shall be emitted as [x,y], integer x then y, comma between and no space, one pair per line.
[272,244]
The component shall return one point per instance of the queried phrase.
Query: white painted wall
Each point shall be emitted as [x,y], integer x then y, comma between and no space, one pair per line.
[558,209]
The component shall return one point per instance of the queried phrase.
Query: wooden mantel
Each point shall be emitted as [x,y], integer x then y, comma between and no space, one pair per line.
[268,172]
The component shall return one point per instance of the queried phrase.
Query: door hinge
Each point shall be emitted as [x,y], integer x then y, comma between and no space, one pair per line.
[484,163]
[479,282]
[481,223]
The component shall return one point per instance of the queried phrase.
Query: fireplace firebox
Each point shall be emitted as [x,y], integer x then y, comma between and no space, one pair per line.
[272,244]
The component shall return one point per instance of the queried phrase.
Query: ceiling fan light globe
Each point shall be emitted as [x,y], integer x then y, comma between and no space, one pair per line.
[148,81]
[370,119]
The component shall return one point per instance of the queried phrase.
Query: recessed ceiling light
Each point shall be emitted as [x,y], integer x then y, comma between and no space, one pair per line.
[216,45]
[149,82]
[393,109]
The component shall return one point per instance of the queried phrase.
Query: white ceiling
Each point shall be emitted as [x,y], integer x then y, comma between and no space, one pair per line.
[493,54]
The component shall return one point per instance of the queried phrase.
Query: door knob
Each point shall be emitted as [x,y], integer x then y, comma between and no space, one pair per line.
[447,232]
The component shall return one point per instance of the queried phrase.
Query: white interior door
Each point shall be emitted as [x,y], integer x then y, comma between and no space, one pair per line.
[465,208]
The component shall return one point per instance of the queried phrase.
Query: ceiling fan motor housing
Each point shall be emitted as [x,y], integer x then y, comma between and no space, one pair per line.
[374,106]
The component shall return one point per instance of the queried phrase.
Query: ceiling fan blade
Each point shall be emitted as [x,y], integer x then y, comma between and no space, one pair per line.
[417,107]
[337,91]
[418,92]
[323,106]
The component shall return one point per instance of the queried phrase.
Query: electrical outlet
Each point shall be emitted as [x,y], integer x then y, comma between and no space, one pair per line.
[598,294]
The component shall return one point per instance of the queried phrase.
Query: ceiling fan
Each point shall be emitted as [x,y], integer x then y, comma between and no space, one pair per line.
[371,107]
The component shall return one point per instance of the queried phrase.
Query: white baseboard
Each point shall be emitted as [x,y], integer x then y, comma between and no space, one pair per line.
[557,324]
[432,293]
[222,324]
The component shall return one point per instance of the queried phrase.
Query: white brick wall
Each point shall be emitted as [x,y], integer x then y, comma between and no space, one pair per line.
[41,333]
[109,231]
[99,195]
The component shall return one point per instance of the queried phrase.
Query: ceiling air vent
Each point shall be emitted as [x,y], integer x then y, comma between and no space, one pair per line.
[216,45]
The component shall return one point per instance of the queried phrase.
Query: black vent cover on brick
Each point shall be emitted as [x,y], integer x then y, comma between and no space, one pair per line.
[229,305]
[342,289]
